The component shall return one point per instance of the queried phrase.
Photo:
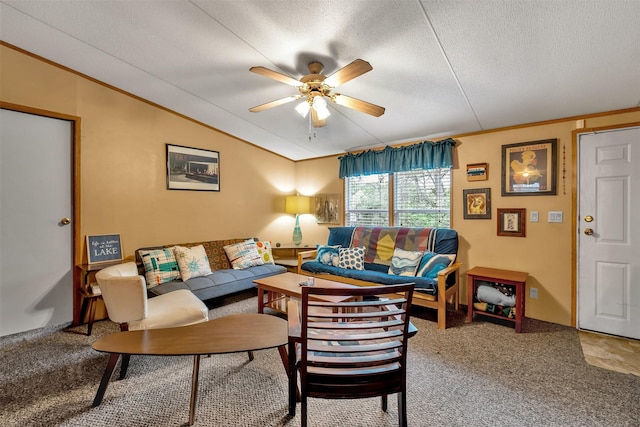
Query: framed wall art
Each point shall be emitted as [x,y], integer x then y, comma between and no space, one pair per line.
[477,203]
[327,208]
[511,222]
[104,248]
[192,169]
[477,172]
[529,168]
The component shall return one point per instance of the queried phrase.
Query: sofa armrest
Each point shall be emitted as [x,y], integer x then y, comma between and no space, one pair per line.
[303,256]
[443,292]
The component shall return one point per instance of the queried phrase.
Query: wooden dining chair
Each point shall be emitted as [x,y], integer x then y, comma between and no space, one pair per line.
[350,343]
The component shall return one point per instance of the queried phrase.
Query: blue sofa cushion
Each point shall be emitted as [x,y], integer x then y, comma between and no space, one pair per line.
[423,284]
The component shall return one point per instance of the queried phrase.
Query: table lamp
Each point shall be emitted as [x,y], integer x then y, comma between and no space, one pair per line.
[297,205]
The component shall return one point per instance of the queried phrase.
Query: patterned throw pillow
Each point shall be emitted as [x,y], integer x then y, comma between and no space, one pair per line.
[243,255]
[352,258]
[264,250]
[160,266]
[328,255]
[193,262]
[404,263]
[432,263]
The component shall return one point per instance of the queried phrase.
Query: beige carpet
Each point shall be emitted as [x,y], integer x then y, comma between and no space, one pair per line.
[609,352]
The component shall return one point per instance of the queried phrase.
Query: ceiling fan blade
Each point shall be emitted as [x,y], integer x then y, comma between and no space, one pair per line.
[275,103]
[356,104]
[317,123]
[348,72]
[283,78]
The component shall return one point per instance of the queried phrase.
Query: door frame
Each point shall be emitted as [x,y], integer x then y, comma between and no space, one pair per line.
[574,209]
[76,241]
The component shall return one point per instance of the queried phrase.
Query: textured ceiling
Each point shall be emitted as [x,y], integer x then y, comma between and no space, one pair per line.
[440,68]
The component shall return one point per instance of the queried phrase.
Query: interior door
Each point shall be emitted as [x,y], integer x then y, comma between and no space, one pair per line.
[36,283]
[609,232]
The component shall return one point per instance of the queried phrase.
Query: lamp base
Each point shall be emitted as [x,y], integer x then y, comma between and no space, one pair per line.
[297,232]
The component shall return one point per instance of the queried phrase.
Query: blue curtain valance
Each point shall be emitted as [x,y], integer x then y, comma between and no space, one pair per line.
[425,155]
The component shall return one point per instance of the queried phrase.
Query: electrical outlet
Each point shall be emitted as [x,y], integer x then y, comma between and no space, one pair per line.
[533,292]
[534,216]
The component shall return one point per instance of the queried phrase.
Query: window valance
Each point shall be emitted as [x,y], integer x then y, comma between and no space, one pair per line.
[424,155]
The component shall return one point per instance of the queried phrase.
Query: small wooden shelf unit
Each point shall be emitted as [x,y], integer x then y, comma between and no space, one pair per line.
[516,279]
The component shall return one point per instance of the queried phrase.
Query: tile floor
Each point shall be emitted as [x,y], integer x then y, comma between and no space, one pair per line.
[610,352]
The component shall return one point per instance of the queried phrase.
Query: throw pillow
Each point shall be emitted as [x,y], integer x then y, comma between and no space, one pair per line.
[404,263]
[160,266]
[328,255]
[243,255]
[352,258]
[193,262]
[264,250]
[432,263]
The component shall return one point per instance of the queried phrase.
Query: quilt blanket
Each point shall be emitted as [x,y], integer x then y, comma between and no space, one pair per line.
[379,242]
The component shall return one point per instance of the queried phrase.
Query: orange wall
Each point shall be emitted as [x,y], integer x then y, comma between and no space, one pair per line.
[123,187]
[546,251]
[123,172]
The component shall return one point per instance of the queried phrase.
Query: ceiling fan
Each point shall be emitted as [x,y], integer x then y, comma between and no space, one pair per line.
[315,87]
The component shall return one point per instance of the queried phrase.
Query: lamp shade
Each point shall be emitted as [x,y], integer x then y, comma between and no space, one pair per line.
[297,205]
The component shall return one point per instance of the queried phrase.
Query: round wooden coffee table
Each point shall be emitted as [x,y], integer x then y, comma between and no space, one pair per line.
[229,334]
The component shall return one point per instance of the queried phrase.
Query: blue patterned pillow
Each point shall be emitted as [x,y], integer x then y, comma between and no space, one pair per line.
[432,263]
[404,263]
[160,266]
[328,255]
[352,258]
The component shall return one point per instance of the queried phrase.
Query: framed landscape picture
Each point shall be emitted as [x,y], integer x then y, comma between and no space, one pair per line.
[327,208]
[192,169]
[477,203]
[529,168]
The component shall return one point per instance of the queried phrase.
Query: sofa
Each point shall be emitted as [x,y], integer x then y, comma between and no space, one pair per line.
[369,256]
[205,268]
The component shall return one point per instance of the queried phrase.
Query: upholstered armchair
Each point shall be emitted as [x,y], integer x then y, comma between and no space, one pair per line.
[124,293]
[125,296]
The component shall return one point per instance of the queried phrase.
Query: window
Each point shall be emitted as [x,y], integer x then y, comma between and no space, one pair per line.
[421,198]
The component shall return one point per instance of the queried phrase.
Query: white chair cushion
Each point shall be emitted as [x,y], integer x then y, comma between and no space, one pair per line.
[177,308]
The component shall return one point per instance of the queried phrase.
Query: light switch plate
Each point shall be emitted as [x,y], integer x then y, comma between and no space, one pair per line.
[555,216]
[534,216]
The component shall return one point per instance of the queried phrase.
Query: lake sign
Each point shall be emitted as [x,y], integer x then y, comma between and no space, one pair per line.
[103,248]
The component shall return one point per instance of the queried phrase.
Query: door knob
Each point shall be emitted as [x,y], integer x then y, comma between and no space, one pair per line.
[588,231]
[65,221]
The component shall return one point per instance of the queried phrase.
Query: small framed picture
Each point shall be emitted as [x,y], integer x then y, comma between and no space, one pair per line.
[529,168]
[477,203]
[477,172]
[192,169]
[327,208]
[511,222]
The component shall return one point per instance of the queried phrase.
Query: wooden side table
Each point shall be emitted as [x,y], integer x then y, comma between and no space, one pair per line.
[89,299]
[287,256]
[515,279]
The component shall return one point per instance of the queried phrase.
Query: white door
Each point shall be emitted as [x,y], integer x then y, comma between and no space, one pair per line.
[609,232]
[36,283]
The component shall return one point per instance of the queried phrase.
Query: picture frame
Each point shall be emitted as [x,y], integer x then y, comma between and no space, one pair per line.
[477,172]
[529,168]
[192,168]
[327,208]
[104,248]
[511,222]
[476,203]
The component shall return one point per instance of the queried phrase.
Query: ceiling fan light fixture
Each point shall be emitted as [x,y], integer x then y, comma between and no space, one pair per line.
[323,112]
[303,108]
